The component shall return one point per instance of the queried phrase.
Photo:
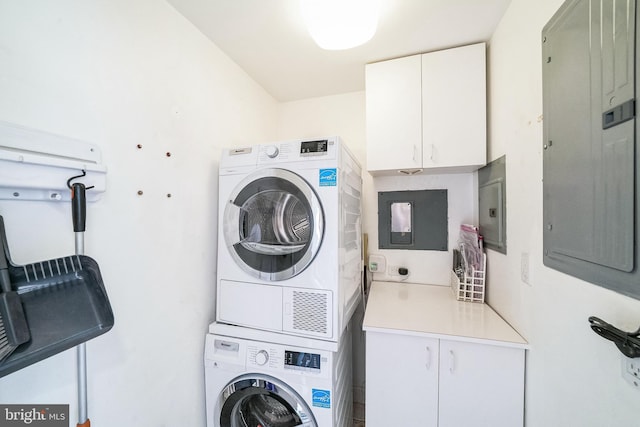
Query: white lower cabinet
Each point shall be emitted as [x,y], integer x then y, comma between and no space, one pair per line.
[418,381]
[401,381]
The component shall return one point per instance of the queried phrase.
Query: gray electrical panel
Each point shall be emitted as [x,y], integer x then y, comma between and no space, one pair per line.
[492,204]
[414,220]
[590,183]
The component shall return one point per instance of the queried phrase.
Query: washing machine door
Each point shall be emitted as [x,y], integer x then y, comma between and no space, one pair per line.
[256,400]
[273,224]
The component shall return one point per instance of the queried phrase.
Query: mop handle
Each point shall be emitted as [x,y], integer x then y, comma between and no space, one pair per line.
[79,213]
[79,207]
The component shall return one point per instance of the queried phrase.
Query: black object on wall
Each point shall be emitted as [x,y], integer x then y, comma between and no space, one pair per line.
[627,342]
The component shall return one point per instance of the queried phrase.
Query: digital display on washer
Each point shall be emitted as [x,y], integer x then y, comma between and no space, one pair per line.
[302,360]
[311,147]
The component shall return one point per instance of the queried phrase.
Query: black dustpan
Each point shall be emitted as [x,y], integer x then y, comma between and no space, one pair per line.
[65,304]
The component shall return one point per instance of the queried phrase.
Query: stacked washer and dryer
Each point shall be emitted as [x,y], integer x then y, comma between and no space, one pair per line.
[289,280]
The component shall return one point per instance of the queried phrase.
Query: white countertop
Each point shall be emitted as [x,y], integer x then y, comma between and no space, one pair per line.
[433,311]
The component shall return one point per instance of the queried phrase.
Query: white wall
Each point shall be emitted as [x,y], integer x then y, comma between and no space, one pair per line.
[121,73]
[573,375]
[426,267]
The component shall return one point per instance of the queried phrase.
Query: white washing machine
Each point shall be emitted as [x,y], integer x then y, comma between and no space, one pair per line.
[271,384]
[289,241]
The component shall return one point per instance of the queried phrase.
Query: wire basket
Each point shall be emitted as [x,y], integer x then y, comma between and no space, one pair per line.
[470,287]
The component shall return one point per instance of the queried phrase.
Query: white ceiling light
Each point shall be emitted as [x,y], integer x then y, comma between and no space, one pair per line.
[340,24]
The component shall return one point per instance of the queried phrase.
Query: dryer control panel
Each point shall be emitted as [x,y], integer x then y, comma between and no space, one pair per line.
[298,150]
[314,148]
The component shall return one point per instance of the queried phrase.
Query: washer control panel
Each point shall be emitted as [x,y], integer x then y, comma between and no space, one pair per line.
[240,354]
[262,357]
[302,361]
[273,357]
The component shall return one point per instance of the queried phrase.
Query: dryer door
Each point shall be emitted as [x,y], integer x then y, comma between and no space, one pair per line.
[273,224]
[256,400]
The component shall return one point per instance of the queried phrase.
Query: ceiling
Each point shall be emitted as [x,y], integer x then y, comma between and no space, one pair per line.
[268,40]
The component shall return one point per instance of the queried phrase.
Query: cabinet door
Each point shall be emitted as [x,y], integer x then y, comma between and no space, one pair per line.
[454,108]
[480,385]
[401,381]
[394,128]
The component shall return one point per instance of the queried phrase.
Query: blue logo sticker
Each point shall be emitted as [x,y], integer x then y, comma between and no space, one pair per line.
[328,177]
[321,398]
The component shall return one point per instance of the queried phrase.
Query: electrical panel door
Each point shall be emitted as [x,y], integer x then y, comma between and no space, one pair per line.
[589,149]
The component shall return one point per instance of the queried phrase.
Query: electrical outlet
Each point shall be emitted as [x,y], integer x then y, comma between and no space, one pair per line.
[631,371]
[525,268]
[394,270]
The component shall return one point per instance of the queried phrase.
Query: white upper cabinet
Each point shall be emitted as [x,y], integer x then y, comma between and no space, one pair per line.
[427,112]
[394,114]
[454,108]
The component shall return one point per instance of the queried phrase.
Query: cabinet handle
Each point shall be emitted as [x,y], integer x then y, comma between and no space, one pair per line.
[428,364]
[431,155]
[452,361]
[415,154]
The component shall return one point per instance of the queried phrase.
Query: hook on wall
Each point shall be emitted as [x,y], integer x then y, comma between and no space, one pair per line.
[84,173]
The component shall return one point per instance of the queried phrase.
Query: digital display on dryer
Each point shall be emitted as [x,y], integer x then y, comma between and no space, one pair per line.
[301,360]
[314,147]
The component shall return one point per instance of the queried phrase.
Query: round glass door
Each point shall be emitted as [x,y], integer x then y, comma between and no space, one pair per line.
[259,401]
[273,224]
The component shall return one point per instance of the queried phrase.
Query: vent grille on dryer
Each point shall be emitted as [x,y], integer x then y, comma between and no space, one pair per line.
[310,312]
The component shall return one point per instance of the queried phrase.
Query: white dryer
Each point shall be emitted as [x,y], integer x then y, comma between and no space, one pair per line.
[255,383]
[289,240]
